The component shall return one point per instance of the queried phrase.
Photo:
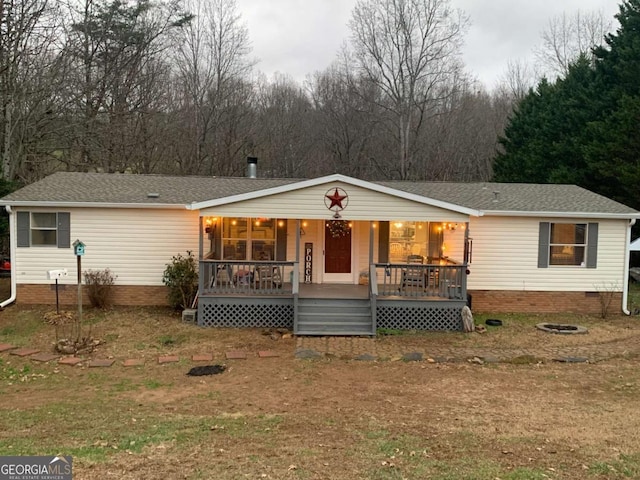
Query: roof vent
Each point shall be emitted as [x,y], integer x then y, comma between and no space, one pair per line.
[252,167]
[153,195]
[495,196]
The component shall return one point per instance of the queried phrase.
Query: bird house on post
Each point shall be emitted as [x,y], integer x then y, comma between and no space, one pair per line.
[78,248]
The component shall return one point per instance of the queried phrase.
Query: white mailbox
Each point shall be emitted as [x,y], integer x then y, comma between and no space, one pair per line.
[56,274]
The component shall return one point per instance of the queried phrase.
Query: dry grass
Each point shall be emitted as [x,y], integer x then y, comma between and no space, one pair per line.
[284,418]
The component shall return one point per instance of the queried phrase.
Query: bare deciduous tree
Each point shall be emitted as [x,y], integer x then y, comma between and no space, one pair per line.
[28,78]
[284,136]
[345,119]
[518,79]
[212,58]
[410,50]
[569,36]
[115,47]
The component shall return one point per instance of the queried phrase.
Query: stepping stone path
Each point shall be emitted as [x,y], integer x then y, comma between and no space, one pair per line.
[44,357]
[168,359]
[24,352]
[101,362]
[70,361]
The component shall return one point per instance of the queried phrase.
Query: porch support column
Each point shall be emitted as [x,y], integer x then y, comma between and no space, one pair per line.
[466,261]
[297,240]
[200,239]
[371,239]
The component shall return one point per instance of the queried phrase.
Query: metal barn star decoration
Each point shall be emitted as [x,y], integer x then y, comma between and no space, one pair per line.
[336,200]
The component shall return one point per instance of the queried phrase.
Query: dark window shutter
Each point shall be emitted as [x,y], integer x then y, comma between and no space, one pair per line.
[23,228]
[281,241]
[592,245]
[383,242]
[543,245]
[64,229]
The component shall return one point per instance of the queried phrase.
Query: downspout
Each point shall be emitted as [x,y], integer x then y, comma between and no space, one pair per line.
[625,283]
[12,250]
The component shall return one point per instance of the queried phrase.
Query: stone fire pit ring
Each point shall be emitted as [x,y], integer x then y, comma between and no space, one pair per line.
[561,328]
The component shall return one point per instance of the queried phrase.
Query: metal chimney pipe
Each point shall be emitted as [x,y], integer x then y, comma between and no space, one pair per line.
[252,167]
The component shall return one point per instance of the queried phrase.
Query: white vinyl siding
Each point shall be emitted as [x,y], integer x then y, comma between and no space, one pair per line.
[135,244]
[505,257]
[309,204]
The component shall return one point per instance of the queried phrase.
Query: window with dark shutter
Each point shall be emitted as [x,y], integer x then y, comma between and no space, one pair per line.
[568,244]
[43,229]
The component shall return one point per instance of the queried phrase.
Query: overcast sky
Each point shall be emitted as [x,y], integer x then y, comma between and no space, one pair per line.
[299,37]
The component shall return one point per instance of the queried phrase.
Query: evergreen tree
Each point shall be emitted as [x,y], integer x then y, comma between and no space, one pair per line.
[583,128]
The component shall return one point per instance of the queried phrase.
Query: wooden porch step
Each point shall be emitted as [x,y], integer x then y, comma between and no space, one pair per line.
[347,328]
[335,317]
[333,332]
[330,316]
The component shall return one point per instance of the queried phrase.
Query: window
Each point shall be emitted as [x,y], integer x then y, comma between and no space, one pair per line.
[407,238]
[249,239]
[568,244]
[43,229]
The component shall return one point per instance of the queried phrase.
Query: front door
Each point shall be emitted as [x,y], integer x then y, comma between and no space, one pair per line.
[337,253]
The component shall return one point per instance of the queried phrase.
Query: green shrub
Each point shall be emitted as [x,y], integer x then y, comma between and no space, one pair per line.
[99,285]
[181,276]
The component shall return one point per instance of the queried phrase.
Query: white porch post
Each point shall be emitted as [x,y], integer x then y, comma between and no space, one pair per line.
[371,239]
[298,240]
[200,239]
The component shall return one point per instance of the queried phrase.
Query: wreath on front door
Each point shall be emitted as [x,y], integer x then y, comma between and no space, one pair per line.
[338,228]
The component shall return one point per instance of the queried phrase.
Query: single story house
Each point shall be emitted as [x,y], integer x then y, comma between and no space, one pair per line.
[328,255]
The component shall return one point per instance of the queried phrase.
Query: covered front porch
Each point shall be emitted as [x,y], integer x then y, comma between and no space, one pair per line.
[402,297]
[333,258]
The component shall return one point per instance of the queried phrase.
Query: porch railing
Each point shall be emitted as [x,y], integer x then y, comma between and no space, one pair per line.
[418,280]
[224,277]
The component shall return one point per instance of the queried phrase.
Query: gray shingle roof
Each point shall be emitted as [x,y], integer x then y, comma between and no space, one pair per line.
[515,197]
[75,187]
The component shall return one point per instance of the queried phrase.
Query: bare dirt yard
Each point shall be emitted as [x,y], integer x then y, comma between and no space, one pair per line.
[282,417]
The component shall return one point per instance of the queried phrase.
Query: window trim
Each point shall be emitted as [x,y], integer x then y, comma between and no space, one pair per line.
[249,239]
[24,227]
[33,228]
[572,246]
[591,246]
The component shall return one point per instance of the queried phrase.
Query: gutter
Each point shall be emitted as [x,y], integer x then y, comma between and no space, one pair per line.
[625,282]
[59,205]
[595,215]
[12,249]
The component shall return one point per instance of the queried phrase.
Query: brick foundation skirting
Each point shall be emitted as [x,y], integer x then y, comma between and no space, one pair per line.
[487,301]
[125,295]
[505,301]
